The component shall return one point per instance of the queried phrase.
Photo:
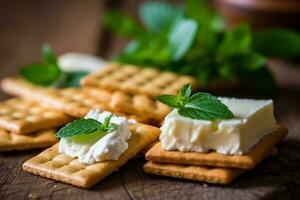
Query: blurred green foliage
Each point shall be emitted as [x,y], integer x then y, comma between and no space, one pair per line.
[193,40]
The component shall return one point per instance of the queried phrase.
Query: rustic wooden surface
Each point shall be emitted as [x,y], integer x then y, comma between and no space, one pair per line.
[20,39]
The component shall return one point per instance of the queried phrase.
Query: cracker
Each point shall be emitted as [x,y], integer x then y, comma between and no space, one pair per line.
[78,101]
[60,167]
[218,175]
[246,161]
[19,87]
[135,80]
[23,117]
[38,139]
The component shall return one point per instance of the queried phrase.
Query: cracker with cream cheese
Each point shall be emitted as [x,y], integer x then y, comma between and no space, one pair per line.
[54,165]
[135,80]
[246,161]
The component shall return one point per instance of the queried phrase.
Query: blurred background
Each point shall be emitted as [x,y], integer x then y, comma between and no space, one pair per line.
[77,26]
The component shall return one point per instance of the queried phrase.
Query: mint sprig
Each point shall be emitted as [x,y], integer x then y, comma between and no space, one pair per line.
[86,126]
[201,105]
[48,72]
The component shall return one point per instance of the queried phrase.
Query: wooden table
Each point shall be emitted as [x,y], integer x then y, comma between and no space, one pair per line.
[275,178]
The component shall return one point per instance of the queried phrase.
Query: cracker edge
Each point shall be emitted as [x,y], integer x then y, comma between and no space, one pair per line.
[29,145]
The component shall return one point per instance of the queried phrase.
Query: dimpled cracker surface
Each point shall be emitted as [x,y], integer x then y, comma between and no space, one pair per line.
[78,101]
[54,165]
[135,80]
[22,116]
[38,139]
[218,175]
[246,161]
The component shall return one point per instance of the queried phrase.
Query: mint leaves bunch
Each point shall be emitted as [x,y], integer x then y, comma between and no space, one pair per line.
[48,73]
[87,126]
[193,40]
[203,106]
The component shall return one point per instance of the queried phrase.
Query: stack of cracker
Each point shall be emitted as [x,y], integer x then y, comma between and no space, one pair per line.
[211,167]
[122,89]
[26,124]
[134,89]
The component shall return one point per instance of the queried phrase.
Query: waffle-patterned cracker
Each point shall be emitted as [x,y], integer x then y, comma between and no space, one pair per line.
[20,87]
[54,165]
[246,161]
[78,101]
[23,117]
[38,139]
[134,80]
[210,174]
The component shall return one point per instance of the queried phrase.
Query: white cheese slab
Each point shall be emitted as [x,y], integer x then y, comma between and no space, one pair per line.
[253,119]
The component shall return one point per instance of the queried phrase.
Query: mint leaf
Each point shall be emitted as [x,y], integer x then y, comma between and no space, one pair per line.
[170,100]
[87,126]
[277,42]
[48,55]
[185,92]
[40,74]
[206,107]
[237,40]
[157,16]
[79,127]
[181,38]
[199,106]
[122,24]
[72,79]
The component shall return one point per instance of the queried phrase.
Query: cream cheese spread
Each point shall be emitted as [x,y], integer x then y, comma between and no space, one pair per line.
[75,62]
[91,148]
[253,119]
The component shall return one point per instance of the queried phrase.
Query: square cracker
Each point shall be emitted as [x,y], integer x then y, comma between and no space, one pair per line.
[54,165]
[38,139]
[246,161]
[23,117]
[136,80]
[218,175]
[78,101]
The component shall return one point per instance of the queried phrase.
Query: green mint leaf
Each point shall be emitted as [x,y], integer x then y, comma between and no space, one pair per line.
[206,107]
[277,42]
[123,24]
[72,79]
[185,92]
[170,100]
[40,74]
[237,40]
[106,123]
[181,38]
[249,62]
[158,16]
[79,127]
[48,54]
